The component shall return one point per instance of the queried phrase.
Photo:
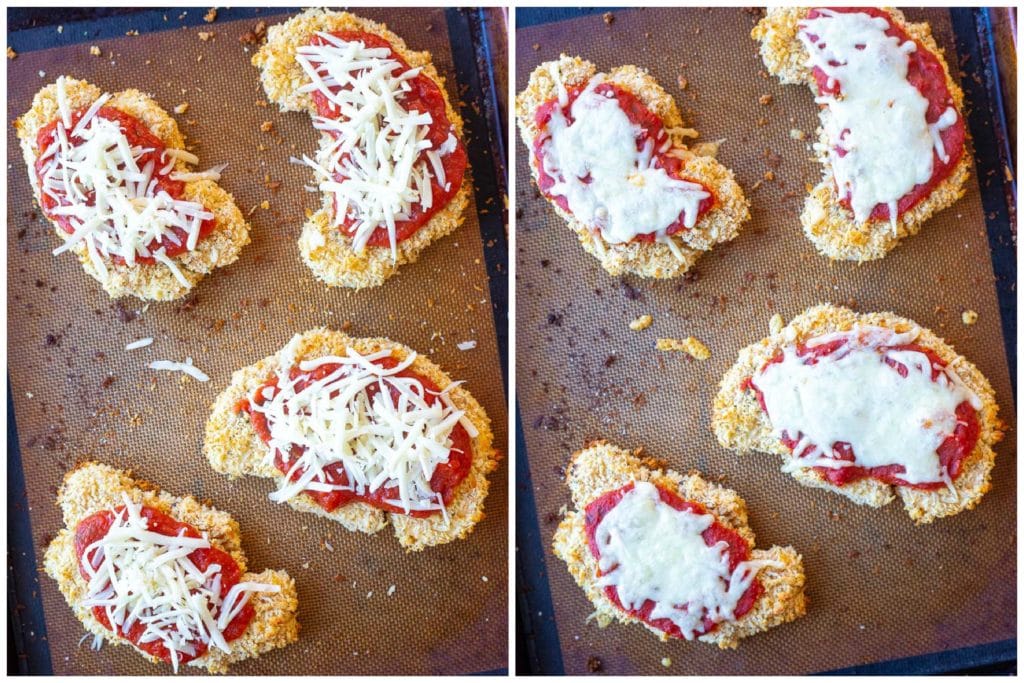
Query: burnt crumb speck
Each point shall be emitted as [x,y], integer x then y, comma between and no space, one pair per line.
[544,263]
[519,213]
[551,518]
[22,233]
[52,340]
[610,360]
[594,665]
[629,291]
[187,304]
[555,319]
[640,400]
[550,423]
[107,381]
[123,313]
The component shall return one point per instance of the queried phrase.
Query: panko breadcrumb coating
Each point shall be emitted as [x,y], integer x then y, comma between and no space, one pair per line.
[601,467]
[234,448]
[93,487]
[217,249]
[741,425]
[324,248]
[829,225]
[647,259]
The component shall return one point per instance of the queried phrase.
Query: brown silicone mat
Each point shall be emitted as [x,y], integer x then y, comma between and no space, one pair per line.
[448,613]
[879,588]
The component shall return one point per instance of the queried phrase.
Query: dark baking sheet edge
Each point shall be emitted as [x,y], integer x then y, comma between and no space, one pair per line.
[28,648]
[537,644]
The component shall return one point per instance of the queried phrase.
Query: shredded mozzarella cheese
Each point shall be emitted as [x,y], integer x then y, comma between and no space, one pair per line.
[112,205]
[144,577]
[187,367]
[377,425]
[375,161]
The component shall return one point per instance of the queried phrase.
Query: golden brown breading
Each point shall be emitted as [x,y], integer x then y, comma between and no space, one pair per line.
[601,467]
[93,487]
[741,425]
[234,448]
[647,259]
[829,225]
[324,248]
[219,248]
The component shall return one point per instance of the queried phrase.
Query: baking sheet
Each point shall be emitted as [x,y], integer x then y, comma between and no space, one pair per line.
[448,611]
[879,588]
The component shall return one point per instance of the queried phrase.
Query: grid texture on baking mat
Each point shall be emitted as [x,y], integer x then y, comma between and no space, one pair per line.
[878,587]
[447,612]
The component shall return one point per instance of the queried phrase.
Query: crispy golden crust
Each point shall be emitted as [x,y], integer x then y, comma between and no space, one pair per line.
[93,487]
[324,248]
[602,467]
[741,425]
[147,281]
[647,259]
[829,225]
[234,448]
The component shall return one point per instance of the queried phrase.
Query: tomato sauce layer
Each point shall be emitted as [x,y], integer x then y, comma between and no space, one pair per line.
[738,552]
[952,451]
[651,128]
[96,526]
[423,96]
[926,74]
[444,480]
[138,135]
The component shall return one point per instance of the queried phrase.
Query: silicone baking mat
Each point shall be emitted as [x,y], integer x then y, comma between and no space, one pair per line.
[365,606]
[879,588]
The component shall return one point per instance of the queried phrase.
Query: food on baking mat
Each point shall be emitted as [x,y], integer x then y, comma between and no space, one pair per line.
[672,552]
[111,173]
[892,133]
[608,151]
[390,162]
[362,431]
[164,574]
[870,406]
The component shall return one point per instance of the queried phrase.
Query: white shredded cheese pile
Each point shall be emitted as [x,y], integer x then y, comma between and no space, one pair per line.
[382,442]
[113,206]
[379,148]
[144,577]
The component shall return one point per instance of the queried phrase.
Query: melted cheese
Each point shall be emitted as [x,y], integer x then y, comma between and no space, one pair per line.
[114,207]
[879,142]
[380,441]
[624,196]
[851,395]
[378,147]
[651,551]
[143,577]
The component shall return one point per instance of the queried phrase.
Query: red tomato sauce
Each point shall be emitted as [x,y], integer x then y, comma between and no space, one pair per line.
[445,479]
[423,96]
[952,451]
[651,128]
[925,73]
[95,527]
[137,134]
[738,552]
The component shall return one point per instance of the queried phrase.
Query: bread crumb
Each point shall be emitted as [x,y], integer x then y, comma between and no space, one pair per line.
[682,82]
[267,126]
[181,108]
[776,323]
[95,51]
[765,99]
[641,323]
[608,18]
[666,662]
[969,317]
[210,16]
[11,54]
[797,134]
[205,35]
[265,205]
[691,345]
